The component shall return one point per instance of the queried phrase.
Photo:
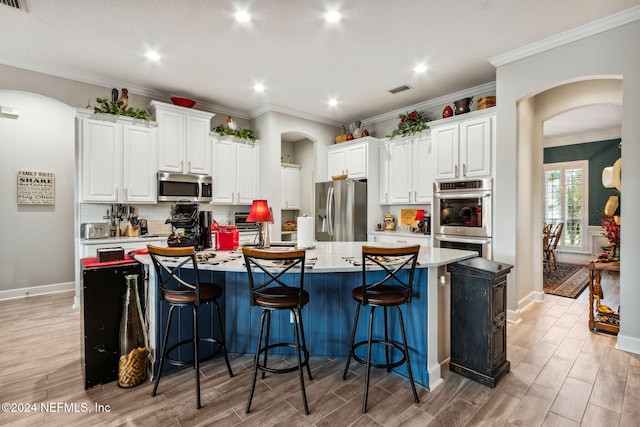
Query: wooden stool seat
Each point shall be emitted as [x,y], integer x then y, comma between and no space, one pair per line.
[386,295]
[208,292]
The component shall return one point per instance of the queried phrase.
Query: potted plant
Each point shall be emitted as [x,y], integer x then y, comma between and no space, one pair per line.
[410,124]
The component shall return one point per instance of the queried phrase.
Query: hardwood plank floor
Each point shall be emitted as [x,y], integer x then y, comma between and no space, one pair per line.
[561,375]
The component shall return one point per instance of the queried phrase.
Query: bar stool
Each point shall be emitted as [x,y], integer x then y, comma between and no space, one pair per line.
[179,293]
[393,290]
[273,291]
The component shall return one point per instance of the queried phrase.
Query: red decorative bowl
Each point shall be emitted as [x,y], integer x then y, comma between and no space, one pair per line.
[183,102]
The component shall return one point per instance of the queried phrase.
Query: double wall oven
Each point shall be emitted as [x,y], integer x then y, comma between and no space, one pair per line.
[461,215]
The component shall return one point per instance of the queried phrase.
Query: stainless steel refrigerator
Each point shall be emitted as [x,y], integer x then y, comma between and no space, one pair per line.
[341,211]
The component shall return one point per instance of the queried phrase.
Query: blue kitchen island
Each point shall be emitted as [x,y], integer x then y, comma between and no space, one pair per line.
[333,270]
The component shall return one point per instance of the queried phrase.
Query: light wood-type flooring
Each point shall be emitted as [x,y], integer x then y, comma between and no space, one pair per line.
[561,375]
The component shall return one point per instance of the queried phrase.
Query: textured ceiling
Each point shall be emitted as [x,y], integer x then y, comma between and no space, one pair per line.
[301,59]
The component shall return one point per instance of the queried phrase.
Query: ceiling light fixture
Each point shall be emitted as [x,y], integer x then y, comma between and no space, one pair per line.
[152,55]
[420,68]
[333,102]
[258,87]
[333,16]
[242,16]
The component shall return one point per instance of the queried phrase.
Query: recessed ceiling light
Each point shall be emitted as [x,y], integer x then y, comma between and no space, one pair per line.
[258,87]
[420,68]
[332,102]
[333,16]
[242,16]
[152,55]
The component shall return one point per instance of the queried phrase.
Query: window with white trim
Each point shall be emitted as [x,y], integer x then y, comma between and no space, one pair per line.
[566,200]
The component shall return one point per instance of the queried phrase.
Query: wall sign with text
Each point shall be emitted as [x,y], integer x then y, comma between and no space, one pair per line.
[36,188]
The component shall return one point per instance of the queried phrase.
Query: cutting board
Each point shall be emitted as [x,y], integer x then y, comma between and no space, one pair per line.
[408,217]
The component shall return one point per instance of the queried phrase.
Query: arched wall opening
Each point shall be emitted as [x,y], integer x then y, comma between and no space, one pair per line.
[532,112]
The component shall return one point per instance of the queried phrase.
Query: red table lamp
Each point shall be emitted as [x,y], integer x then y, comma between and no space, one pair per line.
[261,214]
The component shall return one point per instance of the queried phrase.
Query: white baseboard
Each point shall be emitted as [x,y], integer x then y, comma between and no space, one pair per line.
[37,290]
[513,316]
[628,344]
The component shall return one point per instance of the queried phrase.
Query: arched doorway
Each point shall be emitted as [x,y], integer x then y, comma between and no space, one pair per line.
[532,112]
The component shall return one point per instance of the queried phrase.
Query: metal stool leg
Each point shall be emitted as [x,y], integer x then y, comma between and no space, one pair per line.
[255,361]
[406,355]
[304,342]
[296,315]
[163,352]
[386,339]
[366,378]
[353,337]
[222,339]
[196,354]
[266,345]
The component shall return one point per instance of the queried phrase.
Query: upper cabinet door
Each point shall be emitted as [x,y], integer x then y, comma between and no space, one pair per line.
[101,161]
[171,141]
[335,162]
[400,182]
[140,145]
[224,170]
[422,171]
[356,160]
[475,148]
[198,146]
[248,172]
[445,151]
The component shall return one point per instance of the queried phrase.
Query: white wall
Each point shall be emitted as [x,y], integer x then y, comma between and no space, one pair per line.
[272,125]
[612,53]
[37,244]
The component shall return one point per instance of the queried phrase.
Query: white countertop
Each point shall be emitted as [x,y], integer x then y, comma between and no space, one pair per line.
[331,257]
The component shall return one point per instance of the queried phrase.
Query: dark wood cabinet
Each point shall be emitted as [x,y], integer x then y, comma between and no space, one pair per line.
[478,319]
[103,290]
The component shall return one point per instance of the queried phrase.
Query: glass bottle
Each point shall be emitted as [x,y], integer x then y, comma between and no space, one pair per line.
[132,365]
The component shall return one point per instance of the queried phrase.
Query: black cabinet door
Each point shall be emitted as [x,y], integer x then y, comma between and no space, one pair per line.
[102,299]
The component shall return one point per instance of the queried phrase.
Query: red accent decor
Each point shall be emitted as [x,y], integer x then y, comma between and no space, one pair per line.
[420,215]
[260,212]
[183,102]
[93,262]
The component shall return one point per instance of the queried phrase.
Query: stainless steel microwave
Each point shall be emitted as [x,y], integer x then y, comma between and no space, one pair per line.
[179,186]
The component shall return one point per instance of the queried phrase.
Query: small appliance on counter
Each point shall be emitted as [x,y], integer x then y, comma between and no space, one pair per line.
[205,218]
[185,224]
[227,238]
[95,230]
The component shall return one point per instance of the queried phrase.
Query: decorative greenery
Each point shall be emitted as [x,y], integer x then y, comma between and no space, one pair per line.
[238,133]
[111,107]
[410,124]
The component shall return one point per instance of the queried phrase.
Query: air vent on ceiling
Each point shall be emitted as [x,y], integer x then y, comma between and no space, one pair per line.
[399,89]
[16,4]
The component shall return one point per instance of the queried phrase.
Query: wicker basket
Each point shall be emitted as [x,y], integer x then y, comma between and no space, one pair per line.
[486,102]
[289,227]
[341,138]
[339,177]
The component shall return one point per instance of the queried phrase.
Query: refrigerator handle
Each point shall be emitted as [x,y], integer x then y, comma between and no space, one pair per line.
[330,210]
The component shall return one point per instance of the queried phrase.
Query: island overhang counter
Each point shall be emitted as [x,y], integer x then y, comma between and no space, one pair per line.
[332,270]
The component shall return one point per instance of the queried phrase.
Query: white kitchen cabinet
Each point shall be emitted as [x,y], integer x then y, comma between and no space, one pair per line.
[399,238]
[290,180]
[236,171]
[351,158]
[89,248]
[406,171]
[185,146]
[118,160]
[462,148]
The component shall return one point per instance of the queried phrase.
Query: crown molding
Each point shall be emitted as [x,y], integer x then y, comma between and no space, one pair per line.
[599,26]
[274,108]
[432,103]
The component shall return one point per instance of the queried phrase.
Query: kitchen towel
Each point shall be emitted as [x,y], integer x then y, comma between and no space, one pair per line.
[305,232]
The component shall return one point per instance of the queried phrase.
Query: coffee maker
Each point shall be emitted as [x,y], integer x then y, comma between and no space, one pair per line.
[205,218]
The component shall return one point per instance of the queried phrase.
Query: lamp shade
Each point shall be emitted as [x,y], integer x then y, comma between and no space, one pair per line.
[260,212]
[420,214]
